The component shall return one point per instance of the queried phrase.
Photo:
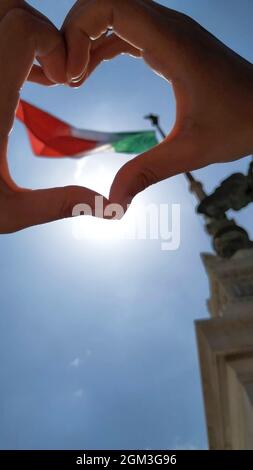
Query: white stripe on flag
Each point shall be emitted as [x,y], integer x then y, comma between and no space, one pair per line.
[99,149]
[99,137]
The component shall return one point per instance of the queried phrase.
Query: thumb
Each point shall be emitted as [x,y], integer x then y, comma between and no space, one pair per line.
[28,208]
[169,158]
[37,75]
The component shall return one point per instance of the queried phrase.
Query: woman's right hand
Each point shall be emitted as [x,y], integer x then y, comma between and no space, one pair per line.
[213,86]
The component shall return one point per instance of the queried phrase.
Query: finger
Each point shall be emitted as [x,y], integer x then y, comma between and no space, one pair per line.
[32,37]
[129,19]
[171,157]
[77,80]
[79,45]
[30,208]
[76,70]
[22,37]
[139,23]
[50,51]
[106,49]
[38,76]
[135,176]
[5,176]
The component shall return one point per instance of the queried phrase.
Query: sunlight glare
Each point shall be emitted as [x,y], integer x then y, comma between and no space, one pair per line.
[99,178]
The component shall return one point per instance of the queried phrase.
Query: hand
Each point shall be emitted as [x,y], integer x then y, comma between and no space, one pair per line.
[24,36]
[52,72]
[213,86]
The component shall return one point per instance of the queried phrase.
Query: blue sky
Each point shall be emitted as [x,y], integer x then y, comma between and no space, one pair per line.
[97,339]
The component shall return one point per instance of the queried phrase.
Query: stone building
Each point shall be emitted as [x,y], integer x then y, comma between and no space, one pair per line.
[225,341]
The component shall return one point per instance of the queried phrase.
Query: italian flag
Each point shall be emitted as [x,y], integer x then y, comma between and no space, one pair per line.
[51,137]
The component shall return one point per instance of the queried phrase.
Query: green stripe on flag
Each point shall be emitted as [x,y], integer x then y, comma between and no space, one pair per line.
[135,142]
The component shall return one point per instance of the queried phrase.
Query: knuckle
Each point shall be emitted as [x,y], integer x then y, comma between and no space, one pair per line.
[69,200]
[104,3]
[19,22]
[17,18]
[105,8]
[139,178]
[145,178]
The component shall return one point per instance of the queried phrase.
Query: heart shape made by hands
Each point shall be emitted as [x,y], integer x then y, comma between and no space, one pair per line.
[203,72]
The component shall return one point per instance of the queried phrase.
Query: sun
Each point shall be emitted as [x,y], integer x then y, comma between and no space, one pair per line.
[99,177]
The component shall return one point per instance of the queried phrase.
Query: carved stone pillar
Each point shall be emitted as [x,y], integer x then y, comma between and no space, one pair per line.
[225,344]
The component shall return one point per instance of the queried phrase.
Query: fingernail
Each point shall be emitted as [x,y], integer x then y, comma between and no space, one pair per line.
[75,79]
[70,79]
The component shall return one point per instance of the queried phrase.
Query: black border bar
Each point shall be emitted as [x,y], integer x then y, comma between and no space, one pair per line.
[112,459]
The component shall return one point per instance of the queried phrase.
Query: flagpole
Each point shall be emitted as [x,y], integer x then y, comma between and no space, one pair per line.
[196,187]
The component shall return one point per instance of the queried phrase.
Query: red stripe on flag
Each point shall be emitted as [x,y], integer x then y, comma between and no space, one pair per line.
[49,136]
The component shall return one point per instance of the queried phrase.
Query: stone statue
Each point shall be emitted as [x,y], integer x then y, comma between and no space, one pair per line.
[234,193]
[227,236]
